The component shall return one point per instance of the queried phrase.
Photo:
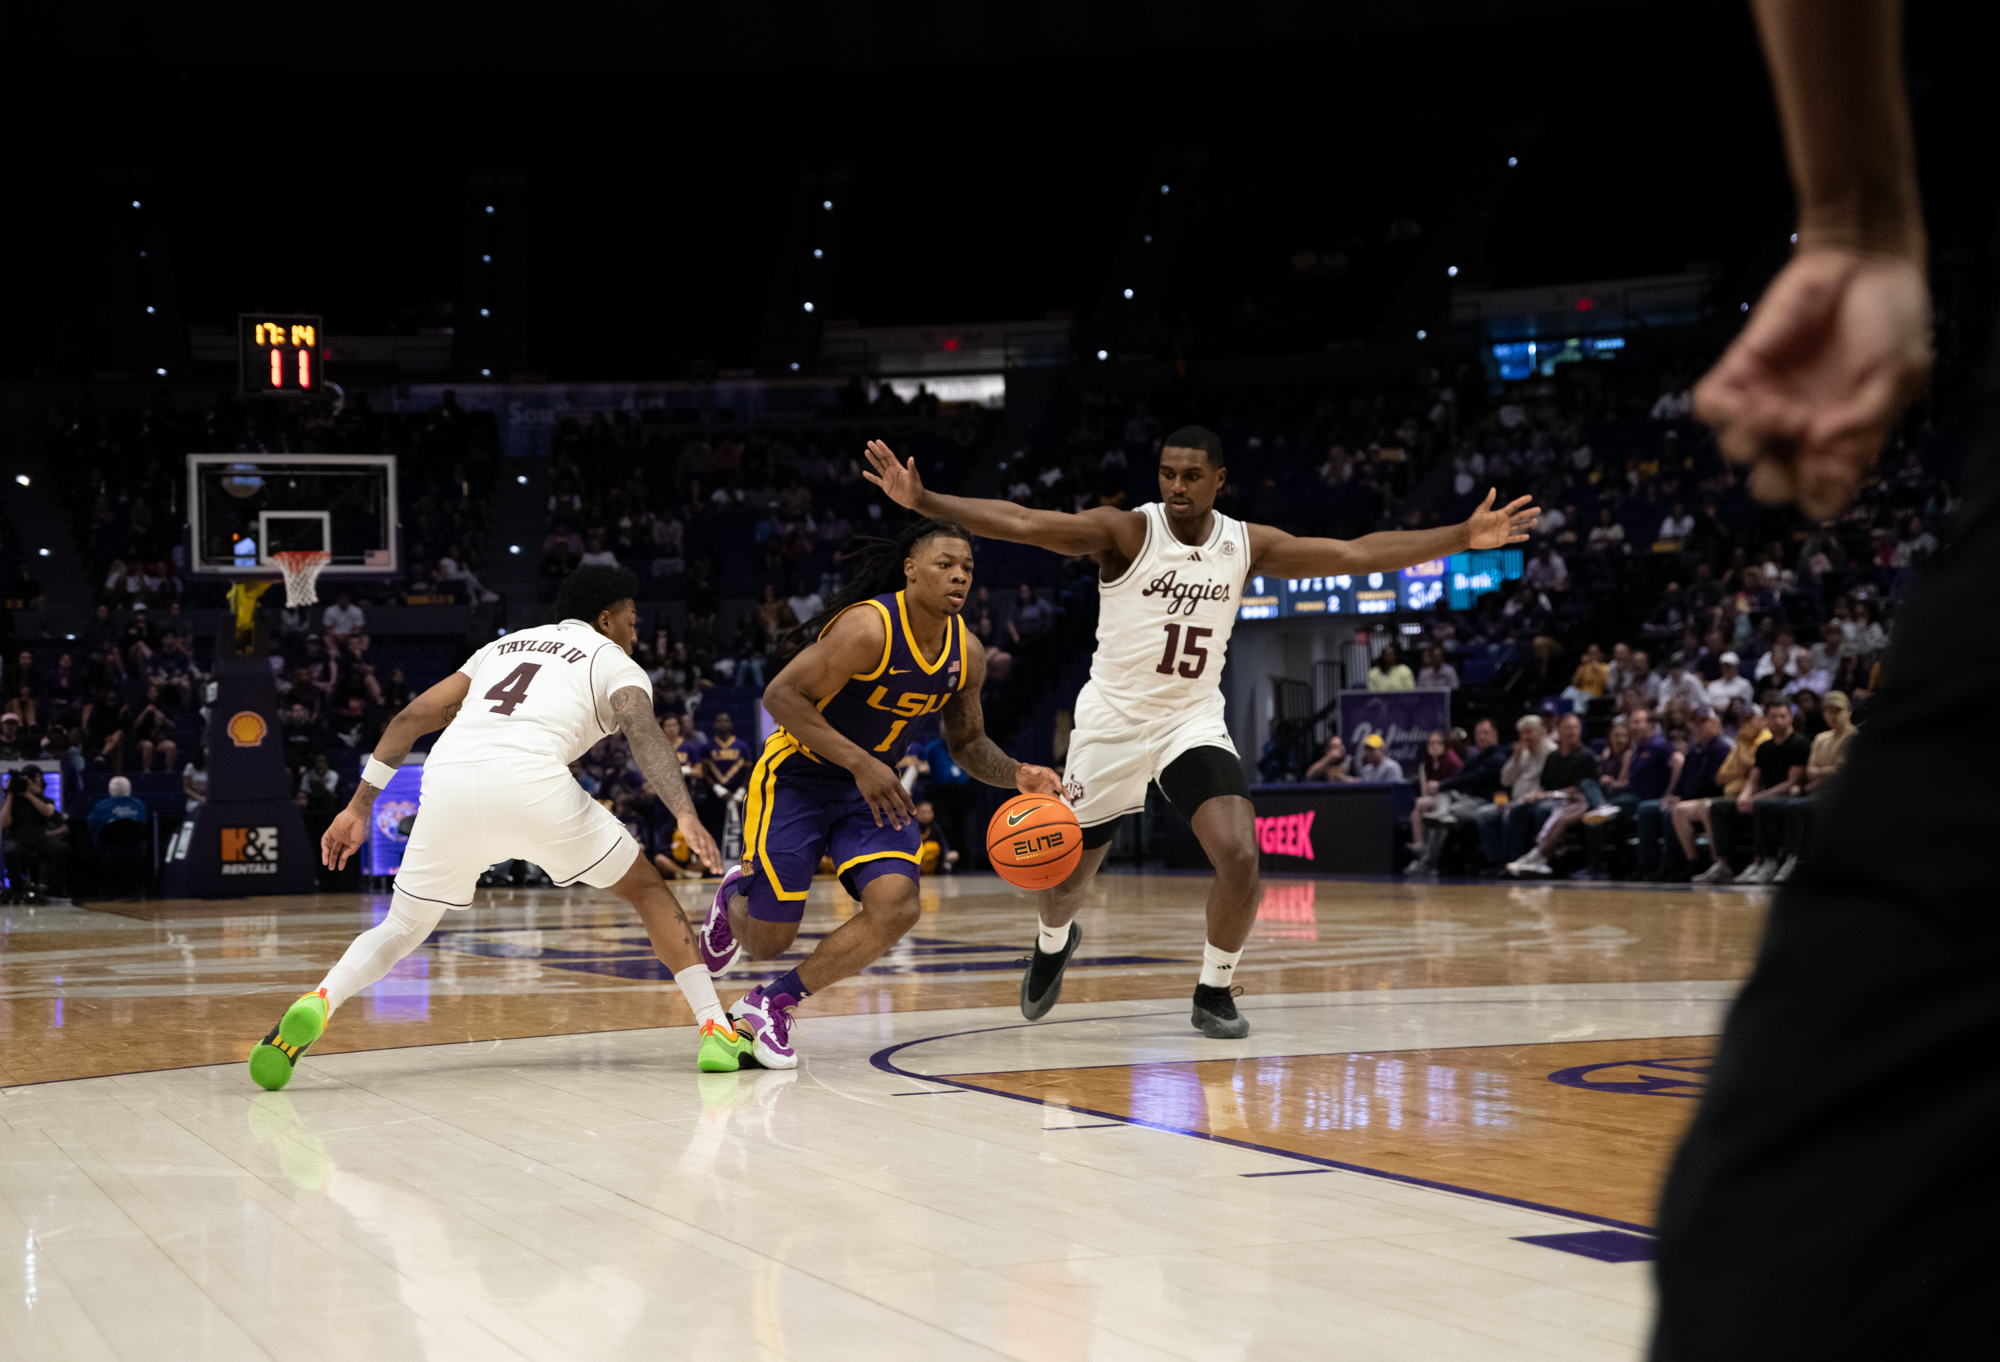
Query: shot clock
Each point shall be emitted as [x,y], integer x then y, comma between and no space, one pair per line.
[279,354]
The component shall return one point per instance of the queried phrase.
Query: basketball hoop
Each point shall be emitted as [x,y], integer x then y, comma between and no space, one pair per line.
[301,568]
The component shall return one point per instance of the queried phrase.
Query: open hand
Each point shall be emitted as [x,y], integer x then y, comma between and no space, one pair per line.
[887,799]
[343,838]
[1833,352]
[700,843]
[1037,780]
[1510,524]
[902,482]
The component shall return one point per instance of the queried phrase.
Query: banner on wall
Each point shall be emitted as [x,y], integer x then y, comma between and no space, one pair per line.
[1404,718]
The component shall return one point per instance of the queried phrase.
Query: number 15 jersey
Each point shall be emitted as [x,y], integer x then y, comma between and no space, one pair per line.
[1163,624]
[539,699]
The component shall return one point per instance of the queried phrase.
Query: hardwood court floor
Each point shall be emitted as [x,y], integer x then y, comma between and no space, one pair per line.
[502,1150]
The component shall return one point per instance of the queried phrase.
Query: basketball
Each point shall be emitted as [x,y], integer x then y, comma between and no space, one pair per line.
[1034,841]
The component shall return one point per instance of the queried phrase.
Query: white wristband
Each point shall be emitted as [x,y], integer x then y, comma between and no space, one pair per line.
[378,773]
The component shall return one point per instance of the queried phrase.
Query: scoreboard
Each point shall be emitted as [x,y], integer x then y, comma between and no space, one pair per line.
[279,354]
[1454,583]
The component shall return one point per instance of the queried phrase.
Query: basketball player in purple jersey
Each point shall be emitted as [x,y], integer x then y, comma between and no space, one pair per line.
[889,651]
[1170,576]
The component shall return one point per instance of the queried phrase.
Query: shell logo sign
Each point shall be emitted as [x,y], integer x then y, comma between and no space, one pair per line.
[246,728]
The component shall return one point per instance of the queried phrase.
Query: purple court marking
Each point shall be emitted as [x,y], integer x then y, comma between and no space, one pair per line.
[1607,1246]
[1645,1085]
[1286,1173]
[1096,1125]
[934,1092]
[884,1060]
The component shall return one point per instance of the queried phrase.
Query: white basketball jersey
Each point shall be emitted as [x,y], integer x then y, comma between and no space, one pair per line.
[1163,625]
[540,698]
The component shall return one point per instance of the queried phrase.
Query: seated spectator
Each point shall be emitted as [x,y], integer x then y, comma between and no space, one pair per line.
[775,616]
[1520,777]
[1565,791]
[1590,679]
[1389,672]
[1680,691]
[1732,690]
[319,787]
[596,555]
[301,736]
[1607,535]
[343,617]
[14,745]
[1331,768]
[1456,799]
[1032,615]
[1783,664]
[1437,673]
[1696,780]
[150,732]
[1621,674]
[1376,766]
[104,730]
[117,806]
[1678,524]
[1731,776]
[805,602]
[1777,774]
[1440,763]
[1669,617]
[1546,571]
[934,853]
[1823,763]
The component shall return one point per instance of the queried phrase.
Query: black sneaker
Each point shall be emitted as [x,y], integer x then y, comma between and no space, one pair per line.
[1215,1014]
[1041,985]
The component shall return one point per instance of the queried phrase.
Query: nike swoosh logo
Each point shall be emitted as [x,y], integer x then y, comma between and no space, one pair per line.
[899,671]
[1015,818]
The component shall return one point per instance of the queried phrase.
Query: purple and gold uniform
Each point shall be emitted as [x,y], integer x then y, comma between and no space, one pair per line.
[802,806]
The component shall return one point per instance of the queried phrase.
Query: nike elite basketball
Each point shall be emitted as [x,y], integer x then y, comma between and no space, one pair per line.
[1034,841]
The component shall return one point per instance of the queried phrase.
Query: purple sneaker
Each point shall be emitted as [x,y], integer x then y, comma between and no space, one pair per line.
[769,1017]
[719,948]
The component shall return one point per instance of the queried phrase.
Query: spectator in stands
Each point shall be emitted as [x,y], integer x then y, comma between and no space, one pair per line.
[775,615]
[1032,615]
[949,788]
[1331,768]
[1681,690]
[31,830]
[1521,777]
[934,853]
[13,743]
[1437,674]
[301,736]
[1607,535]
[319,787]
[1688,815]
[1783,664]
[1621,675]
[805,602]
[1778,772]
[452,569]
[343,617]
[150,733]
[1440,763]
[1389,672]
[1697,778]
[172,669]
[1669,617]
[1376,766]
[104,729]
[1678,523]
[596,555]
[24,708]
[194,780]
[1458,799]
[62,691]
[117,806]
[1546,571]
[1823,763]
[1539,820]
[1732,691]
[1589,680]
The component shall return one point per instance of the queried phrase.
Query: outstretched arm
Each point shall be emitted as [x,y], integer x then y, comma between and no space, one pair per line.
[661,767]
[964,723]
[1283,555]
[1097,530]
[427,713]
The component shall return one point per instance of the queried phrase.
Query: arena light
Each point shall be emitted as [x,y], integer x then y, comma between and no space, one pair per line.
[809,307]
[21,478]
[135,203]
[149,309]
[484,312]
[818,253]
[1149,238]
[1101,354]
[521,478]
[1795,238]
[795,366]
[486,259]
[1451,271]
[1513,160]
[489,208]
[1128,294]
[486,373]
[1164,188]
[161,372]
[1744,308]
[1423,335]
[515,548]
[827,204]
[45,553]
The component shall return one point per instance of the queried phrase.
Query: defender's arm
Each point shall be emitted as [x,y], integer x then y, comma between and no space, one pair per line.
[851,647]
[1283,555]
[1097,530]
[427,713]
[964,723]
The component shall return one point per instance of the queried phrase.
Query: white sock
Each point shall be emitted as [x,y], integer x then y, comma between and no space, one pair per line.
[698,987]
[1217,966]
[376,950]
[1051,939]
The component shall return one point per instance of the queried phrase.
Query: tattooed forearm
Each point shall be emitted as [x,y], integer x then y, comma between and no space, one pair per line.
[658,763]
[965,734]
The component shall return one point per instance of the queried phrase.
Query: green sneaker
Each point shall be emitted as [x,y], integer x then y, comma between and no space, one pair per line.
[722,1048]
[304,1022]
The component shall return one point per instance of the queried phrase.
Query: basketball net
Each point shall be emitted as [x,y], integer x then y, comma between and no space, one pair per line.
[301,568]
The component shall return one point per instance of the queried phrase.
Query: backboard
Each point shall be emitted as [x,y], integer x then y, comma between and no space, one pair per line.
[242,508]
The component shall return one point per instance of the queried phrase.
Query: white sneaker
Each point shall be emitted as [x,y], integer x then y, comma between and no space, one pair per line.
[1530,864]
[1758,872]
[1719,873]
[1785,870]
[1603,813]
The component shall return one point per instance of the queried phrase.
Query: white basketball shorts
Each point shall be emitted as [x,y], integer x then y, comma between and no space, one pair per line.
[472,817]
[1113,756]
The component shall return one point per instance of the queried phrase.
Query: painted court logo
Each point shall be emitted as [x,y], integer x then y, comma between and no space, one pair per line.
[246,728]
[1287,834]
[249,851]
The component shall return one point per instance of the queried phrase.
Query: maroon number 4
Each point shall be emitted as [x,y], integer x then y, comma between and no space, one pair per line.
[1187,644]
[513,689]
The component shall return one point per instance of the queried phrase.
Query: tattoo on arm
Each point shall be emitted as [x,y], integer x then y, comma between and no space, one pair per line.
[964,724]
[659,763]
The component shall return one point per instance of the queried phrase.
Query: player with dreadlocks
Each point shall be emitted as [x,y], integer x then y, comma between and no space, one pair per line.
[890,650]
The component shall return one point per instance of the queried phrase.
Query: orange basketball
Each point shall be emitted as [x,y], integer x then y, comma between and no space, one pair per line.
[1034,841]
